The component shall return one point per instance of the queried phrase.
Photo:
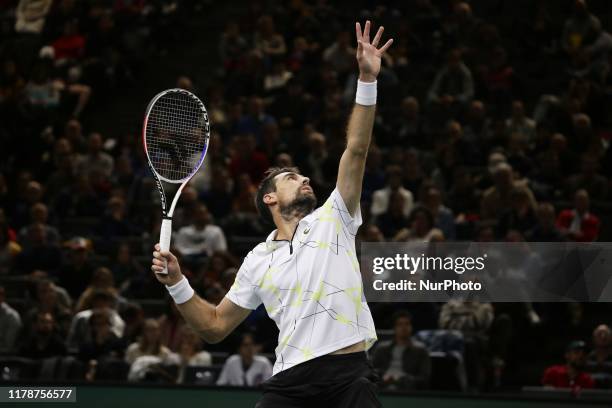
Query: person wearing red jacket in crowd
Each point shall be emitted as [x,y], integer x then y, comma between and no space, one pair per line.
[579,224]
[570,374]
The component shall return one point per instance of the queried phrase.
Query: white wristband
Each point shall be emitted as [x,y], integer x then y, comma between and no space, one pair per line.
[181,292]
[366,93]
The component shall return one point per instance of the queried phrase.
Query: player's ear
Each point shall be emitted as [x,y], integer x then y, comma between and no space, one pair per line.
[270,198]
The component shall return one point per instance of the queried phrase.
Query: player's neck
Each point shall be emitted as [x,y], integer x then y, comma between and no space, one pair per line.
[286,228]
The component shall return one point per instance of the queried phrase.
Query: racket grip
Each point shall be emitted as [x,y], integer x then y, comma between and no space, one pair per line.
[165,234]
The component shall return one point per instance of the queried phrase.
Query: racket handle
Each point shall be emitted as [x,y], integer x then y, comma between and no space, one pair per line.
[165,234]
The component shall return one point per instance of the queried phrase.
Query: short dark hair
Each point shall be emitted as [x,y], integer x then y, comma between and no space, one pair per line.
[401,314]
[426,212]
[268,185]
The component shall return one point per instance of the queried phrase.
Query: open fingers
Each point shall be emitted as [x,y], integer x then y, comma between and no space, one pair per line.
[386,46]
[358,32]
[366,32]
[379,33]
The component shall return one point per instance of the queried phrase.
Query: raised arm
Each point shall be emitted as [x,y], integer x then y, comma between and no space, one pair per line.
[361,122]
[212,323]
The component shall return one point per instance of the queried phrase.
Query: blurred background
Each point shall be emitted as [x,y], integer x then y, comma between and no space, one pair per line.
[494,123]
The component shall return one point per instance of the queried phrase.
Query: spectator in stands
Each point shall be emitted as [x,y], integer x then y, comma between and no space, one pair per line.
[31,193]
[453,85]
[403,362]
[340,55]
[381,198]
[246,159]
[580,29]
[102,279]
[201,238]
[473,319]
[104,303]
[63,171]
[443,216]
[545,229]
[518,154]
[190,353]
[277,79]
[268,42]
[216,265]
[10,321]
[589,179]
[77,271]
[41,254]
[52,299]
[521,215]
[171,325]
[392,221]
[96,158]
[520,123]
[220,193]
[246,369]
[579,224]
[9,249]
[315,159]
[115,222]
[244,196]
[45,340]
[70,46]
[497,199]
[79,199]
[31,15]
[39,214]
[571,374]
[125,266]
[133,316]
[101,340]
[149,344]
[599,360]
[410,126]
[232,46]
[185,210]
[422,228]
[147,356]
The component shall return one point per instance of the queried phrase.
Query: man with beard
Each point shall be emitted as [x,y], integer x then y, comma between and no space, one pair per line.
[306,273]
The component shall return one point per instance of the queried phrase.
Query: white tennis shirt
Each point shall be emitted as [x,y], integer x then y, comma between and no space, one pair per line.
[312,288]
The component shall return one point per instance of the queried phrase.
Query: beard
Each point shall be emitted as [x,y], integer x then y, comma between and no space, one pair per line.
[302,205]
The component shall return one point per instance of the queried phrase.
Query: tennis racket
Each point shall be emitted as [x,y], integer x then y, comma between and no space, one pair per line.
[175,136]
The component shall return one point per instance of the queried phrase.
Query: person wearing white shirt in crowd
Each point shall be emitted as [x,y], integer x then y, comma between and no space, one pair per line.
[245,368]
[201,237]
[79,332]
[190,352]
[10,324]
[380,198]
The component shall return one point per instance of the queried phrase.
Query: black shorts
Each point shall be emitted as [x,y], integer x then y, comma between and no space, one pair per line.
[333,380]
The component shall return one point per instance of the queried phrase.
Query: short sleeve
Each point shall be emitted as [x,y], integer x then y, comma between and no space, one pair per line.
[351,222]
[243,292]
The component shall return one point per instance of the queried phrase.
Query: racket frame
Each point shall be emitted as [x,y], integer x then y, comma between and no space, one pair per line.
[165,234]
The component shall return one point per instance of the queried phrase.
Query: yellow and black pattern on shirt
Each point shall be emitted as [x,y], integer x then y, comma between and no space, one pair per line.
[330,212]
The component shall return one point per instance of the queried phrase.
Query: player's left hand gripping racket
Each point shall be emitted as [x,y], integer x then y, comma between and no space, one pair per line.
[175,135]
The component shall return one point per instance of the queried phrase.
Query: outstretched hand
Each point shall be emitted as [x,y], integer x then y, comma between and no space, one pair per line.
[368,53]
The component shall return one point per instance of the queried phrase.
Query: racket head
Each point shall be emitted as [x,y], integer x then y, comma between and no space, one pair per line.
[175,135]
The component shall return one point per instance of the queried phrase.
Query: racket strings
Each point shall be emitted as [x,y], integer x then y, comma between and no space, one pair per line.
[176,135]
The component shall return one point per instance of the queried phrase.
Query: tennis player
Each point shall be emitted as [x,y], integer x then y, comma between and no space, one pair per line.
[306,273]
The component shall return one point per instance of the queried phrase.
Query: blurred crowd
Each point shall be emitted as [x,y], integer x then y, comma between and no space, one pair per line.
[493,124]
